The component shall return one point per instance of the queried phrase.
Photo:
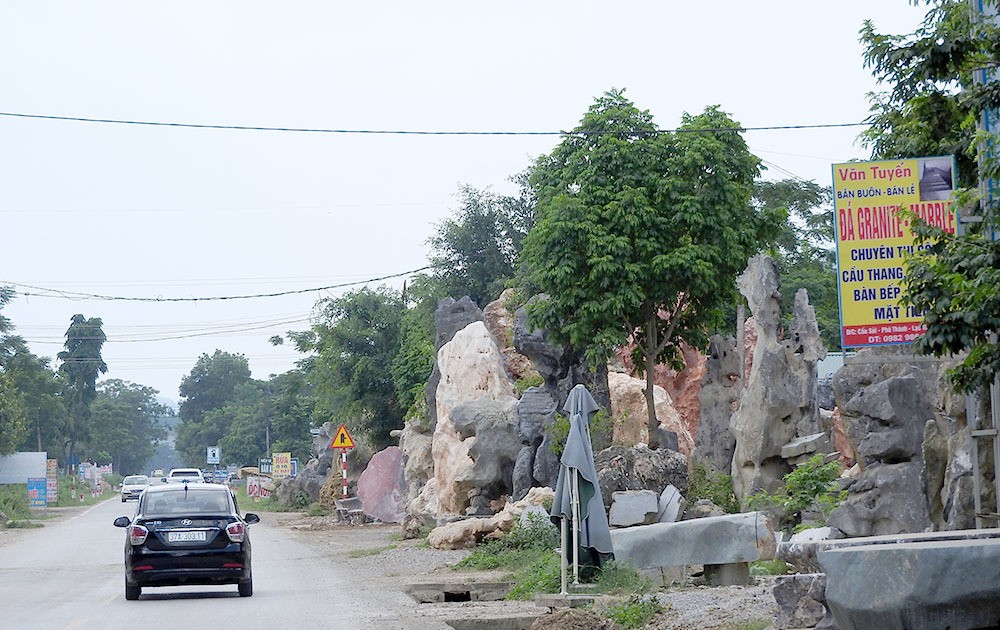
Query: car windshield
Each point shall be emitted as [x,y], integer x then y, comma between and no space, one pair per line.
[180,504]
[135,480]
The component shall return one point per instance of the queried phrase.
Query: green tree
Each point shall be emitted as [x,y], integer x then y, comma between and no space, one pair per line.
[211,385]
[13,421]
[354,344]
[292,405]
[804,248]
[246,420]
[81,363]
[931,108]
[125,424]
[640,233]
[932,104]
[40,390]
[475,252]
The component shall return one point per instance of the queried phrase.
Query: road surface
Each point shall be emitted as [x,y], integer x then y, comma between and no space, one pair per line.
[68,575]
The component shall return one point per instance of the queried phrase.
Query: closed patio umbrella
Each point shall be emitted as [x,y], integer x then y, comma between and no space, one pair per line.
[578,504]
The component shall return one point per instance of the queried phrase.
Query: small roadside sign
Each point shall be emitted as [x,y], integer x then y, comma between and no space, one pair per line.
[265,466]
[281,465]
[342,439]
[212,455]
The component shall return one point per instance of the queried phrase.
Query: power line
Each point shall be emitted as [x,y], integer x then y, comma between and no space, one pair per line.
[75,295]
[413,132]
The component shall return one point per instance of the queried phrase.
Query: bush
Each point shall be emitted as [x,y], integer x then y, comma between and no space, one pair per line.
[517,549]
[14,501]
[811,486]
[704,483]
[601,430]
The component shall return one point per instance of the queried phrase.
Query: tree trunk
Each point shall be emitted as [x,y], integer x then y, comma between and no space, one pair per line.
[649,355]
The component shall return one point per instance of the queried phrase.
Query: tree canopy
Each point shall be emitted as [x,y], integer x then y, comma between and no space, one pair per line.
[81,364]
[125,424]
[640,233]
[931,109]
[353,347]
[475,251]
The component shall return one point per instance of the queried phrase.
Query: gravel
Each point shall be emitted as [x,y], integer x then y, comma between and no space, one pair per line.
[377,552]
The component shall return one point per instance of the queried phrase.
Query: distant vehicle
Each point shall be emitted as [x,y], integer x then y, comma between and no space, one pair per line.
[180,475]
[158,472]
[187,534]
[133,485]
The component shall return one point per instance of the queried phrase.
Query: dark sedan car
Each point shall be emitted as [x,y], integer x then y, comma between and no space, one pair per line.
[190,533]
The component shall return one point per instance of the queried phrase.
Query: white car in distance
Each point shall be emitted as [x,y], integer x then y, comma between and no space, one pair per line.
[132,486]
[182,475]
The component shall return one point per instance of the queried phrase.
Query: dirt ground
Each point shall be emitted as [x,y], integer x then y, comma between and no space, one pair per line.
[379,553]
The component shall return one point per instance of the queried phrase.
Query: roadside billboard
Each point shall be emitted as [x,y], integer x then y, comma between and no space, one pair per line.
[281,465]
[19,467]
[873,240]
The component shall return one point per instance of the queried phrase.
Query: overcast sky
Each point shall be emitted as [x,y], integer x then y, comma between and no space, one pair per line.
[142,211]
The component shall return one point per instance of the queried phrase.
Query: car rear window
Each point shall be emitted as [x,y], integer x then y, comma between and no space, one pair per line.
[136,480]
[181,504]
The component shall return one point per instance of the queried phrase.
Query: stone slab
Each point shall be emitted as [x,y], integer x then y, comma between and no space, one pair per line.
[633,507]
[950,580]
[438,592]
[563,601]
[728,539]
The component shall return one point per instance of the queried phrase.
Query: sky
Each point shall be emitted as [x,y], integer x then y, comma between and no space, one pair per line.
[135,212]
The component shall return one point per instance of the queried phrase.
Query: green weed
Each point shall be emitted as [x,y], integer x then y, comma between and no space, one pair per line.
[634,613]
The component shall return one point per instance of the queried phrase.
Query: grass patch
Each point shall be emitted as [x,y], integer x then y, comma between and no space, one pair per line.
[268,504]
[769,567]
[541,574]
[364,553]
[636,612]
[618,579]
[22,525]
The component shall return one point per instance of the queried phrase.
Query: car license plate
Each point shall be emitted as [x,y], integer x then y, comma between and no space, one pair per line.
[185,536]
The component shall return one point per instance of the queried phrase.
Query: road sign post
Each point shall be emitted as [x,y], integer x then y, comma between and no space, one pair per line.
[343,441]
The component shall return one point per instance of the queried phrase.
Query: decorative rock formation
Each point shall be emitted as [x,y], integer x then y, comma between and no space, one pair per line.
[718,398]
[312,476]
[471,368]
[683,387]
[500,322]
[450,317]
[536,463]
[628,406]
[560,368]
[639,468]
[382,486]
[779,402]
[490,426]
[908,434]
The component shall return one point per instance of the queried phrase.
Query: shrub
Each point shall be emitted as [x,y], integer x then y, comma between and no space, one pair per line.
[601,430]
[811,486]
[615,578]
[523,383]
[704,483]
[517,548]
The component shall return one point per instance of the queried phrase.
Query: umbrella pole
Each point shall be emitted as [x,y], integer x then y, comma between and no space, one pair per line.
[576,528]
[562,553]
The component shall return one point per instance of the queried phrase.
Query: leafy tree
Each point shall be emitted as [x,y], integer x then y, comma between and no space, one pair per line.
[246,418]
[355,342]
[125,423]
[211,385]
[640,233]
[475,252]
[804,253]
[13,423]
[931,109]
[81,363]
[932,104]
[40,390]
[414,362]
[292,405]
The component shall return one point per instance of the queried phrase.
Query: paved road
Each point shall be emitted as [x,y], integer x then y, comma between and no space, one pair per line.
[68,575]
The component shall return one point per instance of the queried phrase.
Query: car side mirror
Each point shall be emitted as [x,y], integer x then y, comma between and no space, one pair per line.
[123,521]
[251,518]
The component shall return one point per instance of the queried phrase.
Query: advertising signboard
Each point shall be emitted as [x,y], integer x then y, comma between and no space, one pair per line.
[52,480]
[874,239]
[265,466]
[255,487]
[37,492]
[281,465]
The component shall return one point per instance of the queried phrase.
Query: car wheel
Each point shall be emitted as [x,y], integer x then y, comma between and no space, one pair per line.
[123,499]
[245,587]
[132,592]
